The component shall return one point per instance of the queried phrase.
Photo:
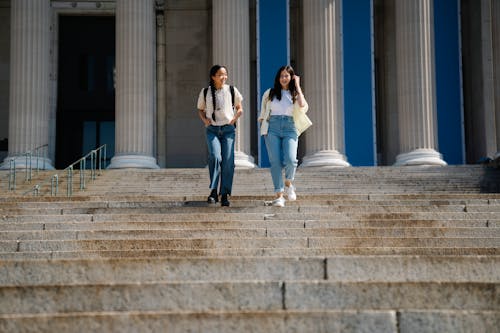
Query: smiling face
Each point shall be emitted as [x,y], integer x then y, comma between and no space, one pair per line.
[285,79]
[220,78]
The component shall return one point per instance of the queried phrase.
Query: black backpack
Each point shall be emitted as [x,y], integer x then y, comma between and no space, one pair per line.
[205,90]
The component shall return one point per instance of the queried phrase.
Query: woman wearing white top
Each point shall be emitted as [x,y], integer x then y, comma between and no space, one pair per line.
[216,110]
[281,136]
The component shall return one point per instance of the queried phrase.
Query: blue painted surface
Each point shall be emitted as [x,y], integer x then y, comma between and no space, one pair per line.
[273,51]
[448,86]
[359,115]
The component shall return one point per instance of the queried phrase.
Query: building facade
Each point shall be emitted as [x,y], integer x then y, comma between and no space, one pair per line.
[389,82]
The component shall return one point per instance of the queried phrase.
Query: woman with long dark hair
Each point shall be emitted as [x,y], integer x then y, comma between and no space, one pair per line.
[280,104]
[219,107]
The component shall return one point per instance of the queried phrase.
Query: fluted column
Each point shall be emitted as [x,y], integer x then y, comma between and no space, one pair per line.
[231,48]
[325,144]
[495,18]
[29,81]
[135,50]
[416,83]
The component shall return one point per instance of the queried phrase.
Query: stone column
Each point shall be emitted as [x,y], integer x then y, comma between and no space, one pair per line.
[161,117]
[135,90]
[29,81]
[416,83]
[495,19]
[322,79]
[231,48]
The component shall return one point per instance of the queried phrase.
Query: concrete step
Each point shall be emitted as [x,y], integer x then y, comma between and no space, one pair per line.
[248,232]
[288,321]
[249,296]
[61,223]
[236,207]
[244,243]
[254,201]
[251,252]
[274,213]
[335,268]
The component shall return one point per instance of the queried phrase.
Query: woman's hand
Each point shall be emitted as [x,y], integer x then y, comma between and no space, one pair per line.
[300,95]
[203,118]
[296,78]
[239,111]
[207,122]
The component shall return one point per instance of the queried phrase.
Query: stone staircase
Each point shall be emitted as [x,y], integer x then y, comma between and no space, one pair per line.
[386,249]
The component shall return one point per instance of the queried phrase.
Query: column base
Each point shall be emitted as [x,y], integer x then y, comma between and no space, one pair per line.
[420,157]
[325,158]
[243,161]
[133,161]
[21,163]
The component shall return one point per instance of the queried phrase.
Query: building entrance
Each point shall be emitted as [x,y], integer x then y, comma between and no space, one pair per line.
[86,93]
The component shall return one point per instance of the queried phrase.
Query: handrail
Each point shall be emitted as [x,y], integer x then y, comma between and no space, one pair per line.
[96,156]
[37,152]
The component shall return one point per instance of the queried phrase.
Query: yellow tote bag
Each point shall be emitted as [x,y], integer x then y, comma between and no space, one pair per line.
[301,120]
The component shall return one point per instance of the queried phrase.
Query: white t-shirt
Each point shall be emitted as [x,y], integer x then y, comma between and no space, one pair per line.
[224,112]
[283,107]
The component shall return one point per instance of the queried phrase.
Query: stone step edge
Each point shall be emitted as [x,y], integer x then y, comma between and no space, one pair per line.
[242,252]
[334,196]
[217,313]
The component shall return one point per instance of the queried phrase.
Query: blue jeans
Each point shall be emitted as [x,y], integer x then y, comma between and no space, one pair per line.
[282,142]
[220,143]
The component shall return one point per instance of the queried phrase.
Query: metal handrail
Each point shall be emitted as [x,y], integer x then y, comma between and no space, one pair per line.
[29,165]
[96,156]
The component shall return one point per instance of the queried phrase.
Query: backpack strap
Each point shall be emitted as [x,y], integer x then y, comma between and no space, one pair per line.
[231,88]
[205,90]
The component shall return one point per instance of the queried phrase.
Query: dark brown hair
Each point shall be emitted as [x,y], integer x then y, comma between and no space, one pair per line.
[276,89]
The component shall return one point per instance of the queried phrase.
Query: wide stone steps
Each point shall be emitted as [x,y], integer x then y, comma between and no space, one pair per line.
[452,179]
[362,250]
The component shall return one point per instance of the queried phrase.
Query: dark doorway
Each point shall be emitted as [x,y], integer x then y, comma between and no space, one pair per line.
[86,94]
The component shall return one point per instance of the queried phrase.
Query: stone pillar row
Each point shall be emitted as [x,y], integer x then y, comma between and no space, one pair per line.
[135,86]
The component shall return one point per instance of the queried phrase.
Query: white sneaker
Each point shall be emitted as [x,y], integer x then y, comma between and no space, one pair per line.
[279,202]
[290,193]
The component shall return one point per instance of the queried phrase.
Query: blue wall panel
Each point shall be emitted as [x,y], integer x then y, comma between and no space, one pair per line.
[272,51]
[448,83]
[359,114]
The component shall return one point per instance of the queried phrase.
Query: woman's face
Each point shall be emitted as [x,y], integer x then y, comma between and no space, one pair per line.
[220,77]
[285,79]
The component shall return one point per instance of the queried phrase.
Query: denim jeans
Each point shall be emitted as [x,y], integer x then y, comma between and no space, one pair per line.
[220,143]
[281,143]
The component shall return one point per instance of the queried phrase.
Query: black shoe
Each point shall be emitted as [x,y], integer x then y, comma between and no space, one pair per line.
[224,200]
[213,197]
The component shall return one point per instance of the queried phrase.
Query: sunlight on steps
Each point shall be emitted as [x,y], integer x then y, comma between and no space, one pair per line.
[386,249]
